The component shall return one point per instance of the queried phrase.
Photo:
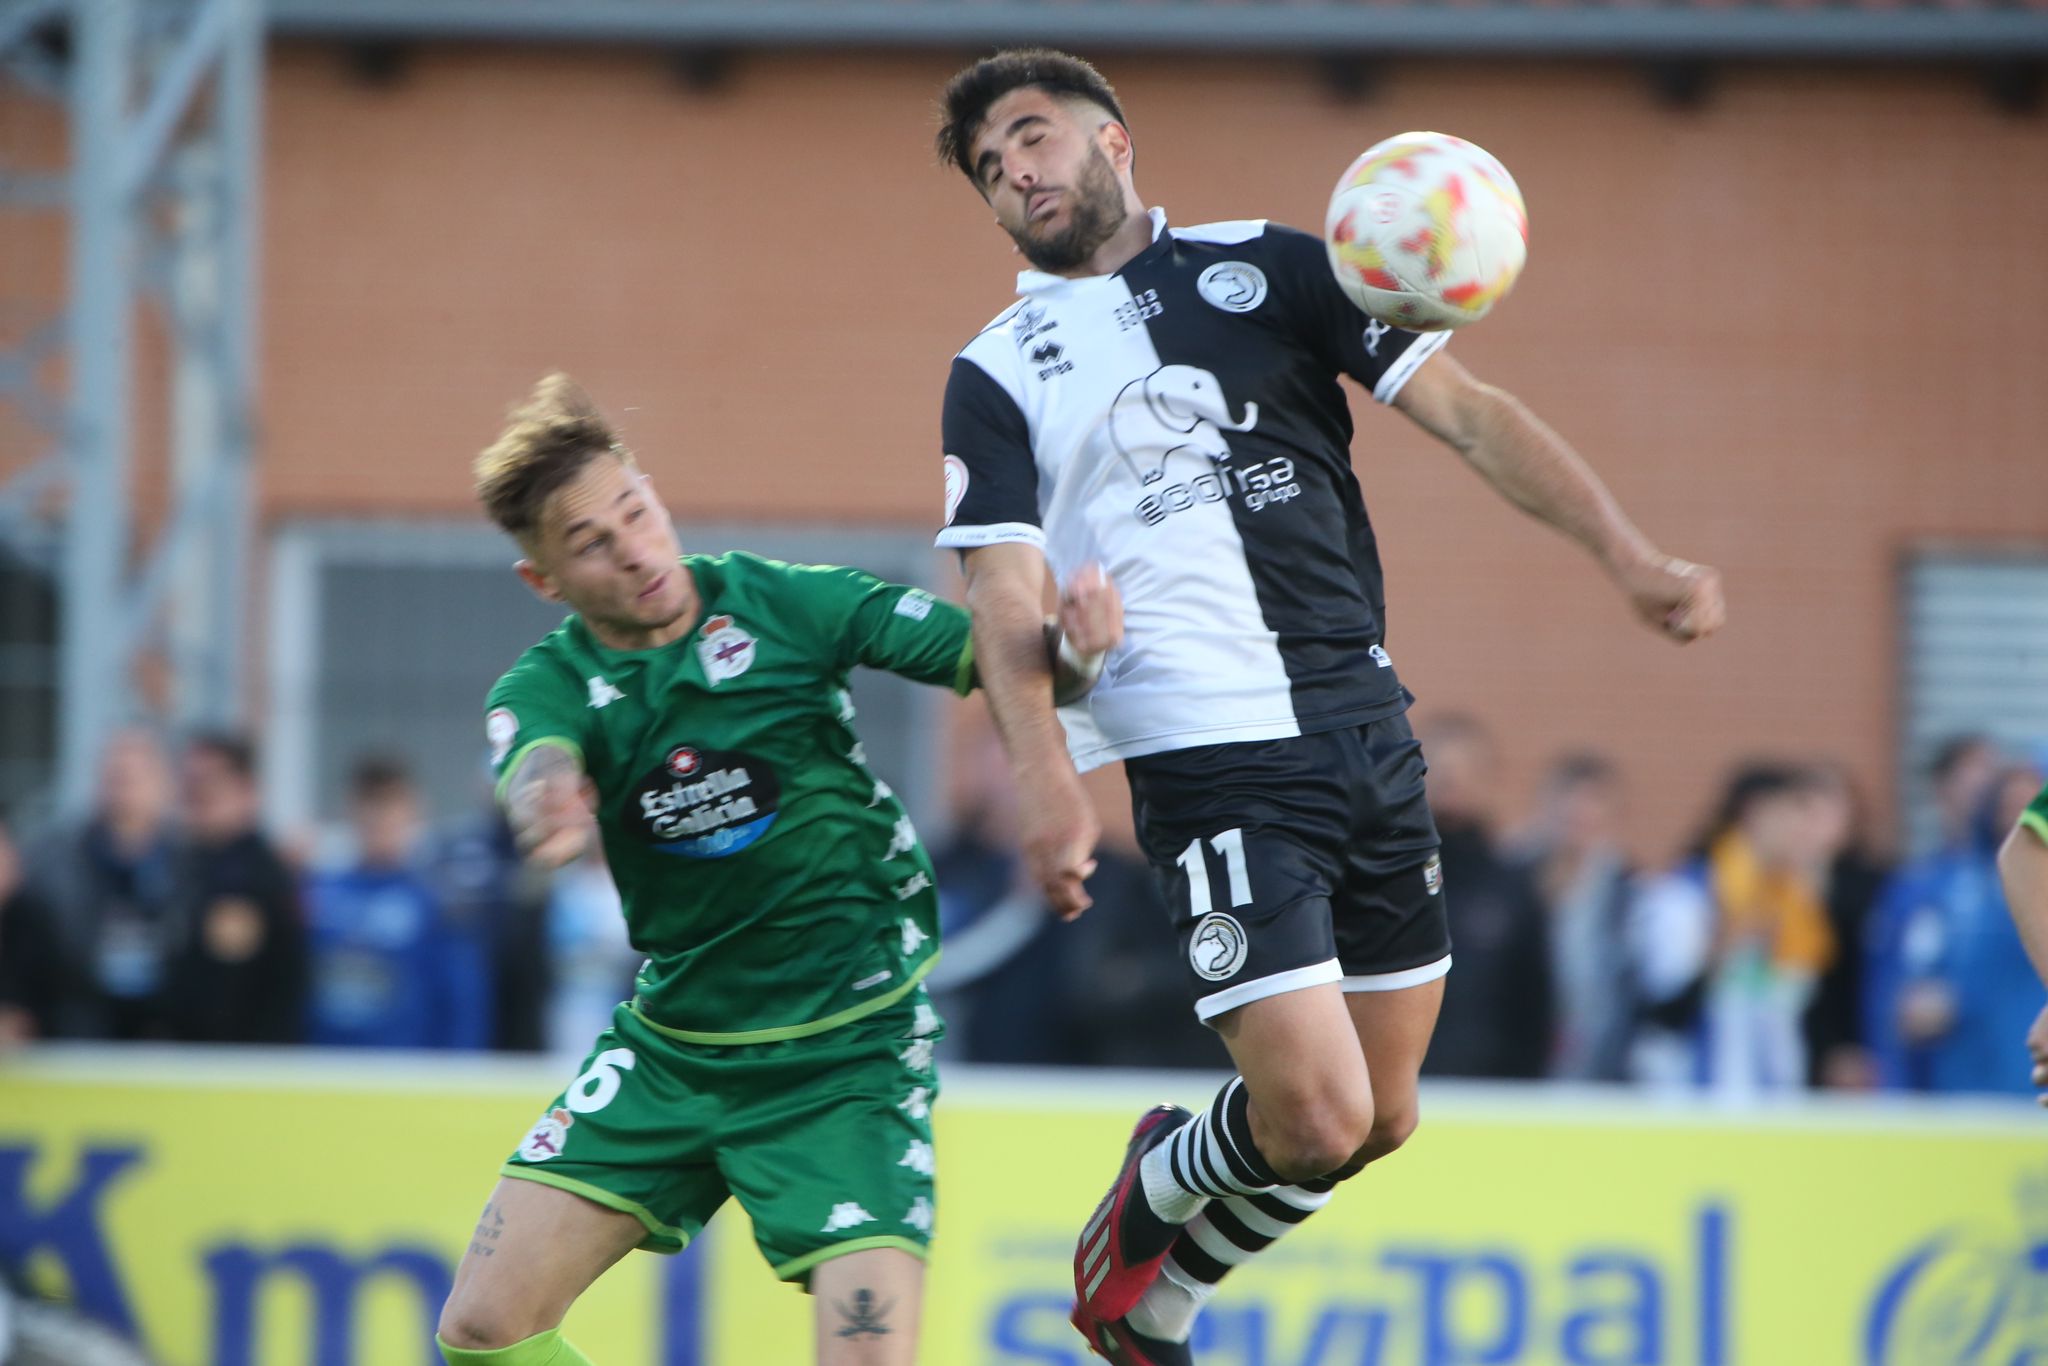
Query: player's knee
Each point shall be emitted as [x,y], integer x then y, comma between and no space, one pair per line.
[1390,1129]
[1314,1140]
[475,1328]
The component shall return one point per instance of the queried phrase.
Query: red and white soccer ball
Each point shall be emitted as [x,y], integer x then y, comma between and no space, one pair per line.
[1426,231]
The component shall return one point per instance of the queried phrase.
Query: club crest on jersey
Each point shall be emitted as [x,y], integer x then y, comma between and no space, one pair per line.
[547,1137]
[703,803]
[1233,286]
[726,651]
[1433,876]
[1218,947]
[501,728]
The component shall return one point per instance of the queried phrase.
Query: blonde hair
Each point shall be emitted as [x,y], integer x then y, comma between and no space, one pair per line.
[547,442]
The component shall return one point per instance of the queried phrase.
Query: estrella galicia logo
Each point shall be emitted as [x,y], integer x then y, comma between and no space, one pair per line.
[1217,949]
[704,803]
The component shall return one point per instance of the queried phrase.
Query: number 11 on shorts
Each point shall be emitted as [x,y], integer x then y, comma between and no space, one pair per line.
[1230,844]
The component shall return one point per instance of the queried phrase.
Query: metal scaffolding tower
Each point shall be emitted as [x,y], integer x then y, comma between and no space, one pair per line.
[161,102]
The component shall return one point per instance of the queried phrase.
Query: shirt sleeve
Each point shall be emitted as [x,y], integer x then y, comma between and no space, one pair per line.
[991,475]
[883,625]
[533,705]
[1378,355]
[2035,817]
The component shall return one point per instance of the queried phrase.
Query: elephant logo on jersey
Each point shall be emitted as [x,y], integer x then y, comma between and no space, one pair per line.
[1218,948]
[1175,408]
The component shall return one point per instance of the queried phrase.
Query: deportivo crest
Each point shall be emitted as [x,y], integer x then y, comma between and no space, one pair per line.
[726,650]
[1233,286]
[547,1137]
[1218,947]
[1433,875]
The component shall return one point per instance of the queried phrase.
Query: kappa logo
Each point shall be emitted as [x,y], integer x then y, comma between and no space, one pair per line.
[1218,947]
[726,651]
[547,1137]
[1374,330]
[1233,286]
[1380,657]
[846,1215]
[501,728]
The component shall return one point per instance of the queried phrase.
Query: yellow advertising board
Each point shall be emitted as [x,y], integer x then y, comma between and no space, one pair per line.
[302,1209]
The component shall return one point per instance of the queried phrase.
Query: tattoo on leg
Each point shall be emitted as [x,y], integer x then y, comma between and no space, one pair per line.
[488,1228]
[864,1318]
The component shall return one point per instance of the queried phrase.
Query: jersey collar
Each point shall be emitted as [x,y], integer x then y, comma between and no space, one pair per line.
[1038,281]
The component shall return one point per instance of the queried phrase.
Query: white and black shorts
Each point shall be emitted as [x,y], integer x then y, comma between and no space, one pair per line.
[1293,862]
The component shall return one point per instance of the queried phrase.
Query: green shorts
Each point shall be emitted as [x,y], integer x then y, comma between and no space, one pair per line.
[825,1141]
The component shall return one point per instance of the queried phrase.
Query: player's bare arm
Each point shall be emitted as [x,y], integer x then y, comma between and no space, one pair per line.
[1057,825]
[2023,866]
[547,803]
[1537,470]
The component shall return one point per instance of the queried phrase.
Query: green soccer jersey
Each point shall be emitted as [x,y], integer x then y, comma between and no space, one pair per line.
[774,883]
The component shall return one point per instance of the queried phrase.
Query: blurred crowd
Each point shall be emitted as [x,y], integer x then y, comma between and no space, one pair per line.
[1778,950]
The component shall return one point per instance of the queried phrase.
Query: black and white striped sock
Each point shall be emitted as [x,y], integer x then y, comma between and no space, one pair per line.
[1207,1158]
[1228,1233]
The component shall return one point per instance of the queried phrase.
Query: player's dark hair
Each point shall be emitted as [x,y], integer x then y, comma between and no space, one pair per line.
[547,441]
[378,776]
[232,748]
[966,100]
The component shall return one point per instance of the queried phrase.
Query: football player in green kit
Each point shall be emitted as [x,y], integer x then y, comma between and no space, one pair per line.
[693,715]
[2023,866]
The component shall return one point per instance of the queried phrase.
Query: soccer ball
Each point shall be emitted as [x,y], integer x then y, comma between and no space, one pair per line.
[1426,231]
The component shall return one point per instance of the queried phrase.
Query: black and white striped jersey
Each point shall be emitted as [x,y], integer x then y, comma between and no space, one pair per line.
[1180,423]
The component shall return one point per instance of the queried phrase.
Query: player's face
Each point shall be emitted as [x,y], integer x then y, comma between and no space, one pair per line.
[1042,164]
[608,549]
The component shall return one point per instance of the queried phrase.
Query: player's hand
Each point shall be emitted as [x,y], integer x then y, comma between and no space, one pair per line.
[1091,612]
[2037,1046]
[1057,829]
[1677,597]
[551,809]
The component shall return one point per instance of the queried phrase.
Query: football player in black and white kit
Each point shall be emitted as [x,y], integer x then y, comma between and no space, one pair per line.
[1165,401]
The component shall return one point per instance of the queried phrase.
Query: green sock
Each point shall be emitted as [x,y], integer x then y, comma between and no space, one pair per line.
[542,1349]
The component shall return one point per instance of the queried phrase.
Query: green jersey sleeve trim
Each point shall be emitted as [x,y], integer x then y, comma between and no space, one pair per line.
[802,1267]
[796,1031]
[519,755]
[964,679]
[660,1237]
[2033,820]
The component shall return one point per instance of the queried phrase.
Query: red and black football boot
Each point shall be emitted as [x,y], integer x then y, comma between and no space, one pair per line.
[1121,1345]
[1124,1242]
